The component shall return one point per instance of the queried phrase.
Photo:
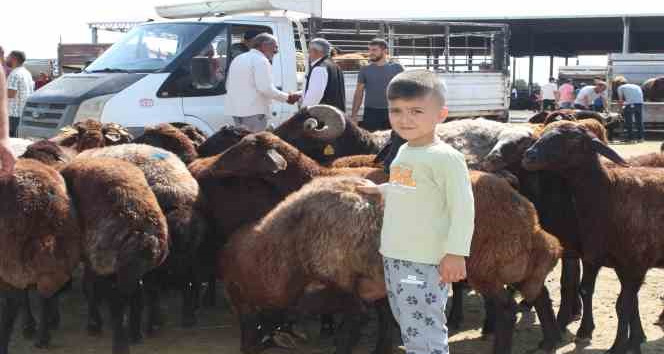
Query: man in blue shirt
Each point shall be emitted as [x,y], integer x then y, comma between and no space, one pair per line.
[630,97]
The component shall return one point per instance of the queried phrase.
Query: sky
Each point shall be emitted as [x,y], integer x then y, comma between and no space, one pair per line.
[37,26]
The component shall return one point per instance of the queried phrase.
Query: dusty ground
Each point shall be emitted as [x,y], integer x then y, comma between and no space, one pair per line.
[217,331]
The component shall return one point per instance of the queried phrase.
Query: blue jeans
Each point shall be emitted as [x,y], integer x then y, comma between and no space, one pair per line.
[633,113]
[418,302]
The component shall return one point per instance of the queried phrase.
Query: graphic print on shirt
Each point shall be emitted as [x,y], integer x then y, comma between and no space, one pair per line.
[402,176]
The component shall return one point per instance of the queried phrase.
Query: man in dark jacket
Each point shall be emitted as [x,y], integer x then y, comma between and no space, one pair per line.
[325,80]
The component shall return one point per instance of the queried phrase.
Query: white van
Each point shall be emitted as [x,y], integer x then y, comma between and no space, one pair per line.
[174,70]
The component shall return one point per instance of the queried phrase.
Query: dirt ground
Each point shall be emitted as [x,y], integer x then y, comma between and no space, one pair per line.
[217,331]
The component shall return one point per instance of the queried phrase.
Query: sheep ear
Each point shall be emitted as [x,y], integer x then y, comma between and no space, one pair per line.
[607,152]
[113,137]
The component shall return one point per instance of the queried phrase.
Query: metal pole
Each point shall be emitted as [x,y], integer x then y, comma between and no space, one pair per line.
[551,66]
[531,63]
[95,38]
[566,61]
[626,25]
[513,70]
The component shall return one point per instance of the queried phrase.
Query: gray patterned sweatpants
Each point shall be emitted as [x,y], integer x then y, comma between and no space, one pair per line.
[418,302]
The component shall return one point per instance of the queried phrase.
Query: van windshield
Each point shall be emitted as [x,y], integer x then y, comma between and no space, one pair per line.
[148,48]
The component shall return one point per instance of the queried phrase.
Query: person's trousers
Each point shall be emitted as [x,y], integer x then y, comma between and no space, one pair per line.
[417,299]
[376,119]
[566,105]
[581,107]
[13,126]
[633,114]
[548,105]
[255,123]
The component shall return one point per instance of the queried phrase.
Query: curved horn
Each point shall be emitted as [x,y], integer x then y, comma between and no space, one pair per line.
[607,152]
[333,120]
[310,124]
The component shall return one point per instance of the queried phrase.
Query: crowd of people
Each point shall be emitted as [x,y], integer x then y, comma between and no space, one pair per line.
[251,90]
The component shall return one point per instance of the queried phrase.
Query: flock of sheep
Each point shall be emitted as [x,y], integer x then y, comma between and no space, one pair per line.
[277,218]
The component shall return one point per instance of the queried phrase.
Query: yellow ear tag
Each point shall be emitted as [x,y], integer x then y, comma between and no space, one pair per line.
[329,150]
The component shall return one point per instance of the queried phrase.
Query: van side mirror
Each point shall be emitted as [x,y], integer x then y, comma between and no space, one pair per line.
[202,73]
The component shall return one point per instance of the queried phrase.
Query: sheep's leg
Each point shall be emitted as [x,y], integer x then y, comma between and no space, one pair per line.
[29,323]
[327,324]
[136,315]
[626,310]
[13,299]
[547,318]
[570,303]
[587,289]
[386,327]
[349,331]
[636,333]
[489,326]
[189,298]
[91,286]
[505,320]
[455,319]
[155,316]
[118,302]
[45,313]
[210,297]
[250,337]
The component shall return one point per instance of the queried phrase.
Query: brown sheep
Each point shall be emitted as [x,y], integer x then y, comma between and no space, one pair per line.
[593,125]
[653,89]
[294,249]
[629,242]
[50,153]
[39,238]
[180,199]
[226,137]
[169,138]
[90,134]
[357,161]
[197,136]
[125,233]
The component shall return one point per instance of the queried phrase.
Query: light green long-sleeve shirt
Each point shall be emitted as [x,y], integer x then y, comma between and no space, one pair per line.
[429,206]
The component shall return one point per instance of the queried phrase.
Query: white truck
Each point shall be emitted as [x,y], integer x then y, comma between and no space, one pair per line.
[174,70]
[637,68]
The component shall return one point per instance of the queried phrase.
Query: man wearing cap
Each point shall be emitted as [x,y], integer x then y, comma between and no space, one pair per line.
[588,94]
[630,98]
[325,80]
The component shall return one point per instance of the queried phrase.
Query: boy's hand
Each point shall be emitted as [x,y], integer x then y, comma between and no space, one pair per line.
[369,188]
[452,268]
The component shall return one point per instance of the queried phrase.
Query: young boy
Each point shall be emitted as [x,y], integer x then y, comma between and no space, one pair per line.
[429,214]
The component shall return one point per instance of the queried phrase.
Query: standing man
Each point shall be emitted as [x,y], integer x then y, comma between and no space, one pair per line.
[588,94]
[566,95]
[19,87]
[7,159]
[550,95]
[249,87]
[3,62]
[373,79]
[325,80]
[630,97]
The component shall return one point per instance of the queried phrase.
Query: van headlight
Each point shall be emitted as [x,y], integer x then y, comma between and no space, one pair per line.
[92,108]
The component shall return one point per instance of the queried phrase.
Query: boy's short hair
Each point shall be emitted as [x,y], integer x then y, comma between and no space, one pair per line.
[379,42]
[18,55]
[414,84]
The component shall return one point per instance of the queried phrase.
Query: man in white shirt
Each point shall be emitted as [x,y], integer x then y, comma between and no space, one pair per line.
[249,87]
[19,87]
[325,80]
[7,159]
[588,94]
[549,95]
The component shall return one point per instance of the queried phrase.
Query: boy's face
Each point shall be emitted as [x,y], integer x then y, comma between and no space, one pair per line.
[415,119]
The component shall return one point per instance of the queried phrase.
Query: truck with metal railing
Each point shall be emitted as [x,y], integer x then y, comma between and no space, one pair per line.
[153,74]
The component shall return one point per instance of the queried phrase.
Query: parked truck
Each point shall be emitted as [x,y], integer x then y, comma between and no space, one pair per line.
[637,68]
[174,70]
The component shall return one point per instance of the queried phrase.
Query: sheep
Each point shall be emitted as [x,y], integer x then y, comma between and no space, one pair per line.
[276,170]
[356,161]
[50,153]
[653,89]
[180,199]
[197,136]
[169,138]
[226,137]
[124,233]
[608,235]
[546,117]
[276,262]
[325,135]
[40,240]
[89,134]
[593,125]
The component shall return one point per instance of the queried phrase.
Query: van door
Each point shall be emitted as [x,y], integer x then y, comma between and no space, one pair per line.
[203,104]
